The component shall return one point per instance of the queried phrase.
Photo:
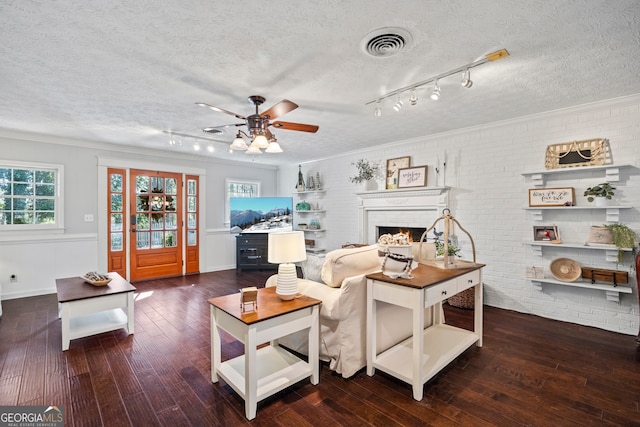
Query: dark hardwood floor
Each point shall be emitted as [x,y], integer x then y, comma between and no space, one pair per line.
[530,372]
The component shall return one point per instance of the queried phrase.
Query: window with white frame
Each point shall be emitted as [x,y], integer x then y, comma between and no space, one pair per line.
[239,188]
[30,196]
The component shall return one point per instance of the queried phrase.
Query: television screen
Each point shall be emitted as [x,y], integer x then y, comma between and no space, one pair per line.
[261,214]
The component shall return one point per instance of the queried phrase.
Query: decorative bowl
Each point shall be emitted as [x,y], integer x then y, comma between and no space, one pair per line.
[96,280]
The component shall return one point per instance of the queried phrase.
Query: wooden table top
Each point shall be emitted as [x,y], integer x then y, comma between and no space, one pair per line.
[426,275]
[76,288]
[269,305]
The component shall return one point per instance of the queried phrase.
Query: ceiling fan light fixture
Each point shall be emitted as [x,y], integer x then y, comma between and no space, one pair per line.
[273,148]
[238,143]
[260,141]
[253,149]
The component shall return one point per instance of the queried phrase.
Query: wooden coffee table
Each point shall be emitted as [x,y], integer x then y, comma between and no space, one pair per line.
[259,373]
[88,310]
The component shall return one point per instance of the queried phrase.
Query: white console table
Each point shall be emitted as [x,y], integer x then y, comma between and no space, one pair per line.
[88,310]
[421,356]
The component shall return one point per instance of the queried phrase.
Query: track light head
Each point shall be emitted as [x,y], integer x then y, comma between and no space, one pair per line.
[413,99]
[466,79]
[435,95]
[378,111]
[398,105]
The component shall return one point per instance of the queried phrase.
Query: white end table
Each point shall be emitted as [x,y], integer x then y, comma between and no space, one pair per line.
[421,356]
[259,373]
[88,310]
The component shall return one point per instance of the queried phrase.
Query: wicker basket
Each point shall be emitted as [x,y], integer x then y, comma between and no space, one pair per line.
[464,299]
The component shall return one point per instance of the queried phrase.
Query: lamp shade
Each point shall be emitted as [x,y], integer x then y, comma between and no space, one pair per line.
[286,247]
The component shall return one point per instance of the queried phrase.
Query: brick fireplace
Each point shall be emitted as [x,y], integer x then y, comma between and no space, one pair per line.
[415,208]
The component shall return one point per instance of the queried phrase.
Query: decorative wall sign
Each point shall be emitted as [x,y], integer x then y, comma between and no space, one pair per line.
[589,152]
[545,233]
[393,165]
[551,196]
[412,177]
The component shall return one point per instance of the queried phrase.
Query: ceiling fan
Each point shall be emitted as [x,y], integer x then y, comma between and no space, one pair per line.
[259,123]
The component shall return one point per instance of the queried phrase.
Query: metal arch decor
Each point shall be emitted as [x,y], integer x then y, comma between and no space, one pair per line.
[588,152]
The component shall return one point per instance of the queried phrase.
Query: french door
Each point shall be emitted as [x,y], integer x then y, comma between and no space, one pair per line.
[156,227]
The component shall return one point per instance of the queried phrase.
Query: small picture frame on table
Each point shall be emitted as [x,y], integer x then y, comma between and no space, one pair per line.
[412,177]
[393,166]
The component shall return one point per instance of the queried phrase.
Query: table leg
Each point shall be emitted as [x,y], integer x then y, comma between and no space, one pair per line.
[371,329]
[477,315]
[314,345]
[215,346]
[65,325]
[418,345]
[130,313]
[250,373]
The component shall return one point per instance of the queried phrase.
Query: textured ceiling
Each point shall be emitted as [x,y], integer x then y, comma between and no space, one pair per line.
[123,72]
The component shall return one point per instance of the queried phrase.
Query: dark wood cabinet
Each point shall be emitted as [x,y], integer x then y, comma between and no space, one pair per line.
[252,252]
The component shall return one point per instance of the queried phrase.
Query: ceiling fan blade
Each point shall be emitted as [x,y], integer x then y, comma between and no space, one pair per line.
[295,126]
[282,107]
[202,104]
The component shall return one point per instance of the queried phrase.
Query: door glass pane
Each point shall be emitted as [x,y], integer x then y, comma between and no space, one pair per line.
[156,239]
[142,240]
[157,221]
[157,185]
[191,220]
[191,187]
[142,184]
[116,202]
[171,186]
[157,203]
[142,203]
[142,222]
[170,204]
[116,222]
[191,204]
[171,221]
[116,183]
[170,239]
[192,238]
[116,241]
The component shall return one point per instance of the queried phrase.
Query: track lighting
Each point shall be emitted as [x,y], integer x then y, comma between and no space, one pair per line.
[378,111]
[465,82]
[435,95]
[413,99]
[466,79]
[196,146]
[210,148]
[398,105]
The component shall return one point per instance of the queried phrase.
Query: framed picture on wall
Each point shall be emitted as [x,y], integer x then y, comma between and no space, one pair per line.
[412,177]
[393,166]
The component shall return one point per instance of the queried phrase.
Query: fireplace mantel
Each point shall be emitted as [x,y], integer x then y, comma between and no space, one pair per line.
[409,207]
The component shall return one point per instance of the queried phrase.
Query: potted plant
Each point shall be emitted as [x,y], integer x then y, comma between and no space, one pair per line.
[367,172]
[601,193]
[623,238]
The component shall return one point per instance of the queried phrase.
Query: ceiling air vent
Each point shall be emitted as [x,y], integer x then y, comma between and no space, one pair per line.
[385,42]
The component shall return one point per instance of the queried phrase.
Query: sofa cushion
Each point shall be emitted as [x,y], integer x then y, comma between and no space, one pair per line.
[342,263]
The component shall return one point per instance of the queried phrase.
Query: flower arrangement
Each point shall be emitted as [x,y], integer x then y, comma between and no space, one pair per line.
[452,249]
[366,171]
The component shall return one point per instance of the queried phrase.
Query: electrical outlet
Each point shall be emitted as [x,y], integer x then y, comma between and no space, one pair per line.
[13,278]
[88,218]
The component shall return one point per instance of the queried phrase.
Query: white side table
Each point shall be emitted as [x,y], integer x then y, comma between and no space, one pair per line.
[88,310]
[421,356]
[259,373]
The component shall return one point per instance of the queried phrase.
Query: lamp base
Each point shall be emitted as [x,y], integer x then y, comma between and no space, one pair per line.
[287,284]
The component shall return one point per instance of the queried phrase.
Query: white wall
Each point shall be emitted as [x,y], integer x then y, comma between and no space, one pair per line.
[37,258]
[488,193]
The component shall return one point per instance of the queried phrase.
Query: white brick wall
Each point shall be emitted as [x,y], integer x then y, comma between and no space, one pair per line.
[485,166]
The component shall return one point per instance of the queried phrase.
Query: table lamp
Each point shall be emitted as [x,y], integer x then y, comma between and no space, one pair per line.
[285,248]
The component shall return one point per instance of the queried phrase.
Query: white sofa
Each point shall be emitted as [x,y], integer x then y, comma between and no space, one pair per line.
[343,314]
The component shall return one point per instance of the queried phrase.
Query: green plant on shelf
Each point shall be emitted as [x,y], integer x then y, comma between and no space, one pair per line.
[604,190]
[623,238]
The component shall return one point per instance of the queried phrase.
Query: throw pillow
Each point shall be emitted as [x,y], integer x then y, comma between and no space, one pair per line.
[312,266]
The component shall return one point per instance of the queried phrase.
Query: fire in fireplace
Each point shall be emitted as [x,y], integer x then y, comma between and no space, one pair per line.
[414,233]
